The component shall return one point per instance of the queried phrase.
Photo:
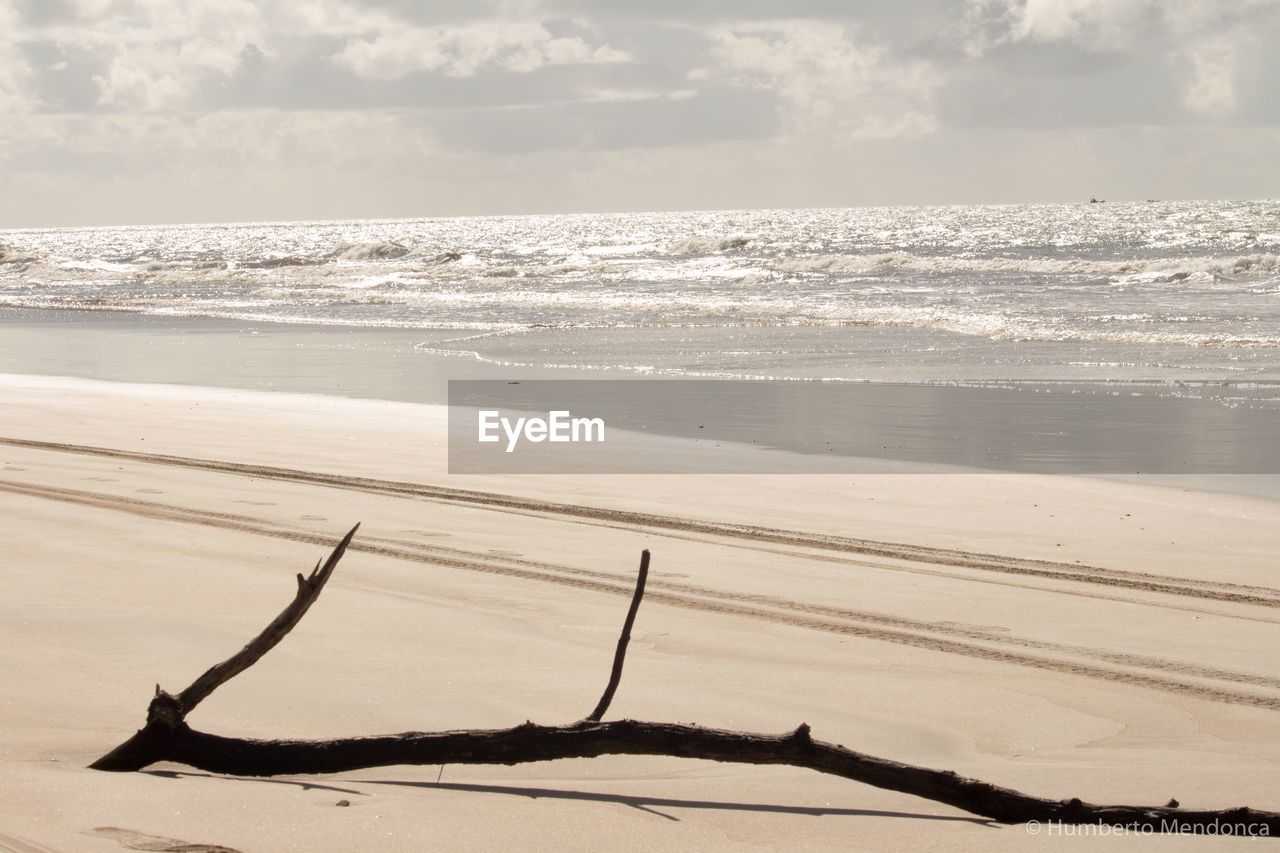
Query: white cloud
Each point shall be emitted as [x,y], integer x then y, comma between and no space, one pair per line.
[1204,36]
[15,74]
[826,77]
[1213,86]
[157,51]
[167,141]
[613,96]
[1117,24]
[1102,24]
[1093,24]
[462,50]
[331,18]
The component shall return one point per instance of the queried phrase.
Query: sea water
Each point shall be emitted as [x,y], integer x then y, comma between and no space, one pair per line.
[1167,300]
[1179,298]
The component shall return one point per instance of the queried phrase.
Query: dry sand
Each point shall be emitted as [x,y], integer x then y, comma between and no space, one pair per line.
[1139,667]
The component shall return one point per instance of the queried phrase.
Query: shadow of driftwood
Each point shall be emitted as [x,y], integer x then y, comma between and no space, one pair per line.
[646,804]
[306,786]
[652,804]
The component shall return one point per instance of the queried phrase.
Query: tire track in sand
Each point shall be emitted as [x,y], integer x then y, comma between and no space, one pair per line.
[1043,569]
[1135,669]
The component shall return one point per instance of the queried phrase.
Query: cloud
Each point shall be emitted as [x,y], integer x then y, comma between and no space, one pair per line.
[463,50]
[1213,78]
[15,73]
[1096,25]
[157,55]
[142,54]
[1202,38]
[826,76]
[164,50]
[1102,24]
[268,106]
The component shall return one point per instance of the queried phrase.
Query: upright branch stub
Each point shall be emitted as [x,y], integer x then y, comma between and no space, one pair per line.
[618,656]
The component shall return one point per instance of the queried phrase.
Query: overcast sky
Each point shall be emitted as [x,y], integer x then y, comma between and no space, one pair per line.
[149,111]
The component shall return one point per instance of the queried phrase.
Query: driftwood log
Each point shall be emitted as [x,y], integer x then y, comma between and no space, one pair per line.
[167,737]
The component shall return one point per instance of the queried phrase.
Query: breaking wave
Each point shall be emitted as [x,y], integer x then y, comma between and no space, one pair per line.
[1122,271]
[378,251]
[709,245]
[278,262]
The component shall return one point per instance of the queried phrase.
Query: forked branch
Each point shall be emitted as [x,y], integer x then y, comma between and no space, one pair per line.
[308,591]
[166,713]
[167,737]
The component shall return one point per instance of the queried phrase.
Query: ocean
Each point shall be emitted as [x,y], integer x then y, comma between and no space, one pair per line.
[1155,299]
[1157,291]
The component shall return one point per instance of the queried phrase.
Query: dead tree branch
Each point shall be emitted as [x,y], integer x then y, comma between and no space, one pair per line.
[308,591]
[167,737]
[166,713]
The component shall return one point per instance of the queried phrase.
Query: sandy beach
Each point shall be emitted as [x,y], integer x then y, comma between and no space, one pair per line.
[928,352]
[1065,637]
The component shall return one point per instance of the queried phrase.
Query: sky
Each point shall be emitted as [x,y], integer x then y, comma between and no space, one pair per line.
[165,111]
